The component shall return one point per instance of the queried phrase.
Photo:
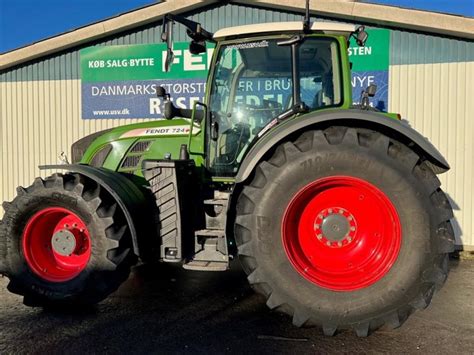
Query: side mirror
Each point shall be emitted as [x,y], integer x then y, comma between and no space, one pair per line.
[361,36]
[169,59]
[371,90]
[167,36]
[365,94]
[197,47]
[161,91]
[169,111]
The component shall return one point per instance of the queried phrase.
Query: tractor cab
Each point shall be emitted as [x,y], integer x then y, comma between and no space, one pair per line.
[262,75]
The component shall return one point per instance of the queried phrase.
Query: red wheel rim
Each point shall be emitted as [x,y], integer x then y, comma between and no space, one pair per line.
[341,233]
[56,244]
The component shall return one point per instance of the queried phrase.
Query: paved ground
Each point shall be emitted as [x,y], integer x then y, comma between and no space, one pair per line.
[164,309]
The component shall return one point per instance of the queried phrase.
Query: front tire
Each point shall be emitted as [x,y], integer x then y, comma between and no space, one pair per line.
[345,228]
[66,242]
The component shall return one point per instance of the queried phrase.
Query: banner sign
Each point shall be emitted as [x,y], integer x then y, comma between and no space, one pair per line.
[120,81]
[370,65]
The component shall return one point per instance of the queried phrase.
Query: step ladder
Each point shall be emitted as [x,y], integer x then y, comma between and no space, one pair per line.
[210,244]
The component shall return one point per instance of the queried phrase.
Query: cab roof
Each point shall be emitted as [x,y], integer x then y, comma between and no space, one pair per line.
[284,27]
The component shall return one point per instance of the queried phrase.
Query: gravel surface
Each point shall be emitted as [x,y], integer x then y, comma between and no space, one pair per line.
[165,309]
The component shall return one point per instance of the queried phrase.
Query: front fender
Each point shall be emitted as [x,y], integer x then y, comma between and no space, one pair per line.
[128,195]
[351,117]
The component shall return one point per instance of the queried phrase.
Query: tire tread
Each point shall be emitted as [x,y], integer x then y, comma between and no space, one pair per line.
[381,144]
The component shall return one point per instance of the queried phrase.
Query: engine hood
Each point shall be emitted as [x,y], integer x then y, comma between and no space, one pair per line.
[85,149]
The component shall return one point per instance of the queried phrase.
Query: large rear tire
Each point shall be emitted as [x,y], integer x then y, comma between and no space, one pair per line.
[345,228]
[65,241]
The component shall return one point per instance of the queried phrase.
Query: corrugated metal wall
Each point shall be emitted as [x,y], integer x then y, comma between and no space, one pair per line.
[430,84]
[38,120]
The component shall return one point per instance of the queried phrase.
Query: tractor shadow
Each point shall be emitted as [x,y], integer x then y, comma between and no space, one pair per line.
[165,309]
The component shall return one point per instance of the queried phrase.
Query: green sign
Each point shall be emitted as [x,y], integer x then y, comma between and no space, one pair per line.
[375,55]
[141,62]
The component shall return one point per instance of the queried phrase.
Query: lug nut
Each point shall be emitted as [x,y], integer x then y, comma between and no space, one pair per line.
[320,236]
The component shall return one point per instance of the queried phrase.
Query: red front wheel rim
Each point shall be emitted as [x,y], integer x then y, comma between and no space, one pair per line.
[341,233]
[56,244]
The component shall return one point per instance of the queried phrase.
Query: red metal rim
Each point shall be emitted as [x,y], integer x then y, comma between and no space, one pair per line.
[341,233]
[56,244]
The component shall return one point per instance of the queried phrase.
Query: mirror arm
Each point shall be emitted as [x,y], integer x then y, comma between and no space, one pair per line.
[194,29]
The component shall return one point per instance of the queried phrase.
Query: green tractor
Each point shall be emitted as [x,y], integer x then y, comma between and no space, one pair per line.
[334,209]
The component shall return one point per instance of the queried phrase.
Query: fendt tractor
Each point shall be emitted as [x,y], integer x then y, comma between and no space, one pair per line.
[333,208]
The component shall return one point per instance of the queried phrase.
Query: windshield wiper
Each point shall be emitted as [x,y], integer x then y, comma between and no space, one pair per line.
[295,109]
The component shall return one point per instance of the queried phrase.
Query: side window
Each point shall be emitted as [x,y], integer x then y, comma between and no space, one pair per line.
[319,72]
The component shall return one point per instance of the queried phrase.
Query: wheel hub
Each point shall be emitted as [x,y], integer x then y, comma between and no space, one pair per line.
[335,227]
[63,242]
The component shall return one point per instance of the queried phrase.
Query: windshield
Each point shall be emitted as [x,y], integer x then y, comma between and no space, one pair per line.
[253,84]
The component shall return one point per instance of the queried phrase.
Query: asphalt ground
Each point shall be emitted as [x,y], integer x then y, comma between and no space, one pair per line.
[165,309]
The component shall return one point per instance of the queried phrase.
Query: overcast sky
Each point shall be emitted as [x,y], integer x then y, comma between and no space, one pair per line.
[23,22]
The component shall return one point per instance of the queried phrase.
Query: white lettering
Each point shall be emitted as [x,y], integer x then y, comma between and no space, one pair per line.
[193,62]
[155,106]
[360,51]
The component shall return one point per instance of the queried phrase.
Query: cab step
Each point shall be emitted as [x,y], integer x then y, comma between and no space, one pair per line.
[206,265]
[210,251]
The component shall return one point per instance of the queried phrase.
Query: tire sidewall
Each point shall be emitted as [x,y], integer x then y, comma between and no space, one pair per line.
[405,191]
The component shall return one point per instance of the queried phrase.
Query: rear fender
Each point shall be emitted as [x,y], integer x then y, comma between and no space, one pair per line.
[128,195]
[352,117]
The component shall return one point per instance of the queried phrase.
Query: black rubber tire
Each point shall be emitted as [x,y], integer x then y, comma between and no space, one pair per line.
[424,210]
[112,252]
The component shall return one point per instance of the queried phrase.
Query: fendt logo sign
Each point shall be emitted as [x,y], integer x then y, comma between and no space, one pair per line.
[121,81]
